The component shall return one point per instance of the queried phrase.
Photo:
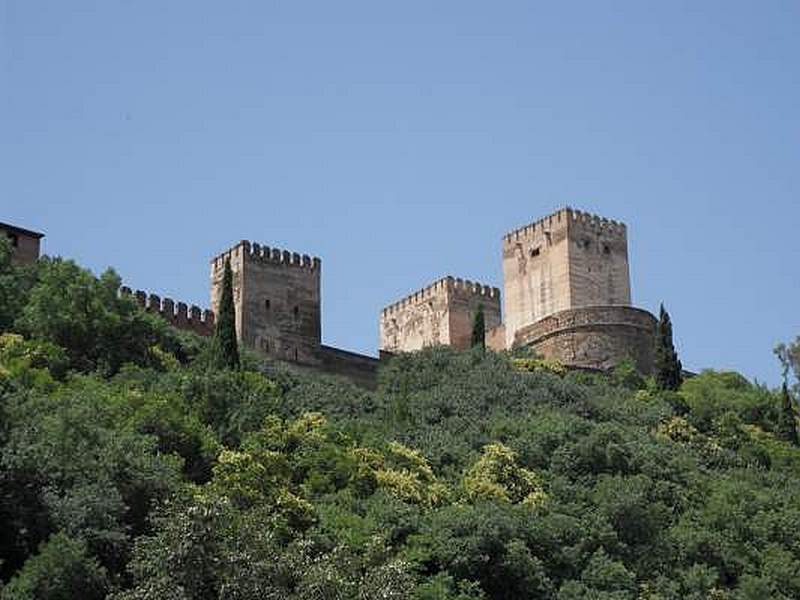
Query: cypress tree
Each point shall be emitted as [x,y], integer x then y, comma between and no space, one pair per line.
[667,366]
[479,329]
[225,348]
[787,422]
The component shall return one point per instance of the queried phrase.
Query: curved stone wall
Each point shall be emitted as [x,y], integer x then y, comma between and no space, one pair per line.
[593,337]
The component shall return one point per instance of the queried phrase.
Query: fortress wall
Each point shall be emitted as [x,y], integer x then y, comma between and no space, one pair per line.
[597,337]
[598,261]
[277,295]
[177,314]
[535,272]
[236,257]
[359,369]
[496,338]
[418,320]
[464,298]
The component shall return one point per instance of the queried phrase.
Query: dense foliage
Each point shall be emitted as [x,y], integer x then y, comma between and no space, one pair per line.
[133,471]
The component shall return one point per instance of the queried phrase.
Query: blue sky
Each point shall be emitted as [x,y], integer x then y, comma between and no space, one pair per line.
[400,140]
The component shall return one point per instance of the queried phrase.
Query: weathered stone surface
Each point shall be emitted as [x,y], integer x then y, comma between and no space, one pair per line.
[596,337]
[441,313]
[277,300]
[566,260]
[496,338]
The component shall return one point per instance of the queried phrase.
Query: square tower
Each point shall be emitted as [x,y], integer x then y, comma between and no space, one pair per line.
[276,297]
[441,313]
[567,260]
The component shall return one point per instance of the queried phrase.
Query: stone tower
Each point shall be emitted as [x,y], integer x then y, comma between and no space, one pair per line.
[441,313]
[277,300]
[568,294]
[567,260]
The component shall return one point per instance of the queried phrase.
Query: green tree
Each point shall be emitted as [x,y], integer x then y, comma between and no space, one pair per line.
[789,355]
[667,366]
[787,421]
[479,329]
[225,348]
[62,570]
[16,282]
[86,315]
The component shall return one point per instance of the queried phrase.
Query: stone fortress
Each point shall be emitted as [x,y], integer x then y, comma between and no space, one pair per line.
[566,295]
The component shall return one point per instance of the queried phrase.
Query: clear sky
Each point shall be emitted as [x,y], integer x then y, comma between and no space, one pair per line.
[400,140]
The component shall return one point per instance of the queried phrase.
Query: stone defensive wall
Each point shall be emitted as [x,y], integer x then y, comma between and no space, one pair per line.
[361,370]
[254,251]
[455,285]
[178,314]
[560,219]
[594,337]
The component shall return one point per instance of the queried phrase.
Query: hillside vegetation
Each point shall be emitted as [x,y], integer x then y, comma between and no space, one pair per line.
[132,469]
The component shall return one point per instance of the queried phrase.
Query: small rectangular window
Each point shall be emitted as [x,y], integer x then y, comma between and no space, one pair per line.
[14,239]
[535,251]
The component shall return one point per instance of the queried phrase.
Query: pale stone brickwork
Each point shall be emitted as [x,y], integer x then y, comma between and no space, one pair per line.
[567,260]
[596,337]
[566,294]
[442,313]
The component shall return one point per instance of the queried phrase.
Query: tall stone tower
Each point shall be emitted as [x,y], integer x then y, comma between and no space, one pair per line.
[568,293]
[567,260]
[277,300]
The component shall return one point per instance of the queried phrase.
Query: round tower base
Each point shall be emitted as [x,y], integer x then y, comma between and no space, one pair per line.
[593,337]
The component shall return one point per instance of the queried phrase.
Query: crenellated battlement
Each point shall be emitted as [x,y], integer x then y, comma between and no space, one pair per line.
[596,222]
[473,288]
[448,283]
[562,218]
[253,251]
[177,314]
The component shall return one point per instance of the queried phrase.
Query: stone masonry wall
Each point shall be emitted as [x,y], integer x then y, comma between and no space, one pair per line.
[416,321]
[178,314]
[596,337]
[441,313]
[566,260]
[464,298]
[598,261]
[277,297]
[535,272]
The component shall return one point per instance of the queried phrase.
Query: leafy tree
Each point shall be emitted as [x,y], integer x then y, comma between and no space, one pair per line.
[85,315]
[787,424]
[62,570]
[497,476]
[668,368]
[16,282]
[90,475]
[789,355]
[479,329]
[226,349]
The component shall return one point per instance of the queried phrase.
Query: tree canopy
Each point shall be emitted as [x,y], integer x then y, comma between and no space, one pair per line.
[134,468]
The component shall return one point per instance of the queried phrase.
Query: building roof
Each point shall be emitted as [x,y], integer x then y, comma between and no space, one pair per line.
[20,230]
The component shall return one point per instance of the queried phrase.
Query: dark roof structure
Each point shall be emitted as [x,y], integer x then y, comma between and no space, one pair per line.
[21,230]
